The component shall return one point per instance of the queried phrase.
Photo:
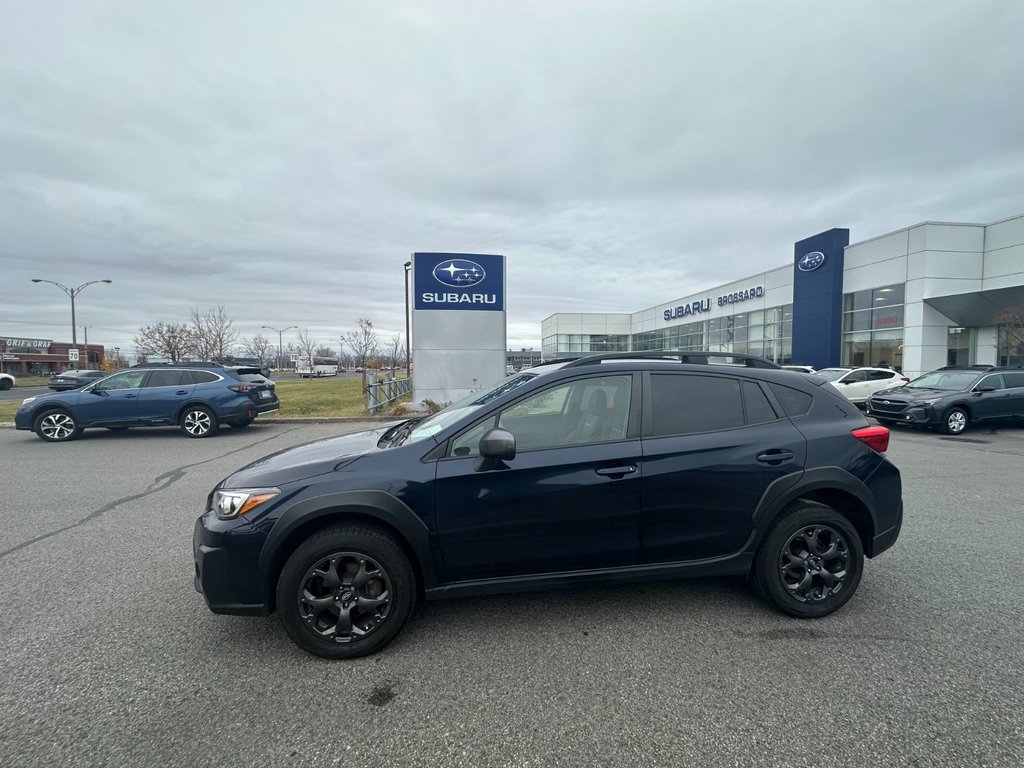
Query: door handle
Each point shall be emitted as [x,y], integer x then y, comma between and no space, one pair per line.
[181,392]
[616,471]
[128,397]
[775,456]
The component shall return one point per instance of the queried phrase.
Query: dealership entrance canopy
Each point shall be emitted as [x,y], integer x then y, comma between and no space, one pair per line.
[922,297]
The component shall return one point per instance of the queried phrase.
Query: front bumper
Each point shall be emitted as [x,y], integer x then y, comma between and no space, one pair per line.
[226,556]
[23,420]
[908,414]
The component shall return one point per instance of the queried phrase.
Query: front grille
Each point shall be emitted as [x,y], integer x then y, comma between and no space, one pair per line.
[880,406]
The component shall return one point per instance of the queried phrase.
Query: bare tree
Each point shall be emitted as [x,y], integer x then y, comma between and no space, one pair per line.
[324,351]
[364,342]
[306,347]
[394,351]
[259,347]
[213,332]
[170,340]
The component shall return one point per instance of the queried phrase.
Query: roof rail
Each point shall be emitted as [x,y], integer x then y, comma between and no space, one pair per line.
[965,367]
[189,364]
[700,358]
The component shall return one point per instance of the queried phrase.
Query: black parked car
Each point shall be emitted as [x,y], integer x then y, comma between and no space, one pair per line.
[953,398]
[613,468]
[74,379]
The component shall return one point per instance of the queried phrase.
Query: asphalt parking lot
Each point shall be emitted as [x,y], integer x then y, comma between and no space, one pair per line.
[110,658]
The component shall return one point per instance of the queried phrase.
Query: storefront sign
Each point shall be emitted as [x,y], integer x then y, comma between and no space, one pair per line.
[37,343]
[685,310]
[750,293]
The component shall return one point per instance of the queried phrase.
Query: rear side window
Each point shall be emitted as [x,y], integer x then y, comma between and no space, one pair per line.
[683,404]
[201,377]
[166,378]
[1013,380]
[759,410]
[793,401]
[881,375]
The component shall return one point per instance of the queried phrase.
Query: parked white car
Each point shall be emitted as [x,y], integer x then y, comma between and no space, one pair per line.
[6,381]
[858,384]
[800,368]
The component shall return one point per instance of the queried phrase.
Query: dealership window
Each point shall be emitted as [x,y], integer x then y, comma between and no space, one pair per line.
[873,327]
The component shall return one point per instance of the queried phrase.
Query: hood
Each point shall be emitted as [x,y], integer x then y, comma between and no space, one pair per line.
[307,460]
[70,397]
[912,393]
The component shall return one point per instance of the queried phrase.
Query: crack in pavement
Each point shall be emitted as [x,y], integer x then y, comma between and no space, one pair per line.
[160,483]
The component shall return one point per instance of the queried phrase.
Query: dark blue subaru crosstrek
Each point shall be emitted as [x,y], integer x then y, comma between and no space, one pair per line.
[613,468]
[197,397]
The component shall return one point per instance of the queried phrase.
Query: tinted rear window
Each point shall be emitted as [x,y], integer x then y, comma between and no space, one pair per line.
[793,401]
[201,377]
[685,403]
[168,378]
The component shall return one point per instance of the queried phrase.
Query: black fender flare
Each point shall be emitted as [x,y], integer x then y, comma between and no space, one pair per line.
[784,491]
[371,504]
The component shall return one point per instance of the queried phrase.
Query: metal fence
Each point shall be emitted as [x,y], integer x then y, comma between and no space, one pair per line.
[381,392]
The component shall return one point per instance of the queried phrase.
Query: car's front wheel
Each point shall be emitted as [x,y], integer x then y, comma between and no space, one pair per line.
[198,421]
[955,421]
[56,426]
[810,561]
[346,592]
[6,383]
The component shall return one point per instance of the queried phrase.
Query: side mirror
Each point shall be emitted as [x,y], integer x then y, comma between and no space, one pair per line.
[984,389]
[496,447]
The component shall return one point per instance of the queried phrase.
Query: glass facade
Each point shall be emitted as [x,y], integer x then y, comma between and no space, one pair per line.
[767,332]
[873,327]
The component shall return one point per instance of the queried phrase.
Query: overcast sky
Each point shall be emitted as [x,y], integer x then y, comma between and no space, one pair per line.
[285,158]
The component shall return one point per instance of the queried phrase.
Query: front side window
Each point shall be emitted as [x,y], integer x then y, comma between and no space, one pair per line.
[992,382]
[126,380]
[591,410]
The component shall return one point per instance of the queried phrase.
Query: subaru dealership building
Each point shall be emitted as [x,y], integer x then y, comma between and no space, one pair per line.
[916,299]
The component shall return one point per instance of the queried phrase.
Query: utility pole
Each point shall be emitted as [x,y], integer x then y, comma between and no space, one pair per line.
[279,332]
[72,292]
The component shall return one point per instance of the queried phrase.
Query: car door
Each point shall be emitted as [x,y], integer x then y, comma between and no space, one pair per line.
[711,447]
[163,395]
[1014,393]
[114,400]
[995,403]
[568,501]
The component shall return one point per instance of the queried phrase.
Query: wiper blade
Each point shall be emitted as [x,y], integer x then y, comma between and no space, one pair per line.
[402,431]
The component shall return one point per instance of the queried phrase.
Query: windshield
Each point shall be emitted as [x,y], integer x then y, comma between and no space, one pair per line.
[831,374]
[452,413]
[952,380]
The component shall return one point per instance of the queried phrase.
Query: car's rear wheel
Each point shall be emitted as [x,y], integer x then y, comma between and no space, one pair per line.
[346,592]
[6,384]
[198,421]
[56,426]
[240,423]
[810,561]
[955,421]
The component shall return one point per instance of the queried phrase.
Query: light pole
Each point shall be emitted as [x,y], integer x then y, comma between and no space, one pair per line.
[72,292]
[279,332]
[408,266]
[86,329]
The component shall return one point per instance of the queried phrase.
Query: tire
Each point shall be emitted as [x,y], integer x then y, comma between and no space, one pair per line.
[5,384]
[56,426]
[792,581]
[198,421]
[956,421]
[375,591]
[240,423]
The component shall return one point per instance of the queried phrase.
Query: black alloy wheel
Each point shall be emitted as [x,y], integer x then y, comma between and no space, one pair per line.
[198,421]
[56,426]
[346,591]
[810,562]
[955,421]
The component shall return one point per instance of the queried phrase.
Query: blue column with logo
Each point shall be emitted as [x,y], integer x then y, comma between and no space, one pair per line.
[818,298]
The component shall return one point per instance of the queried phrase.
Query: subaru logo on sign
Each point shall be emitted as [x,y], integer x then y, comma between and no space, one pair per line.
[459,273]
[811,261]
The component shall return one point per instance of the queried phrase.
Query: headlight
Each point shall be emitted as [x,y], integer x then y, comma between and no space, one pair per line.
[27,400]
[929,401]
[229,504]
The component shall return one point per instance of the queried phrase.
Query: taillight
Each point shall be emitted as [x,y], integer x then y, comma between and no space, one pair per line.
[242,389]
[876,438]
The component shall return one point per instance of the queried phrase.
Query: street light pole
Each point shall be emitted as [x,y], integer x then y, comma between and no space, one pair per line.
[408,266]
[72,292]
[279,332]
